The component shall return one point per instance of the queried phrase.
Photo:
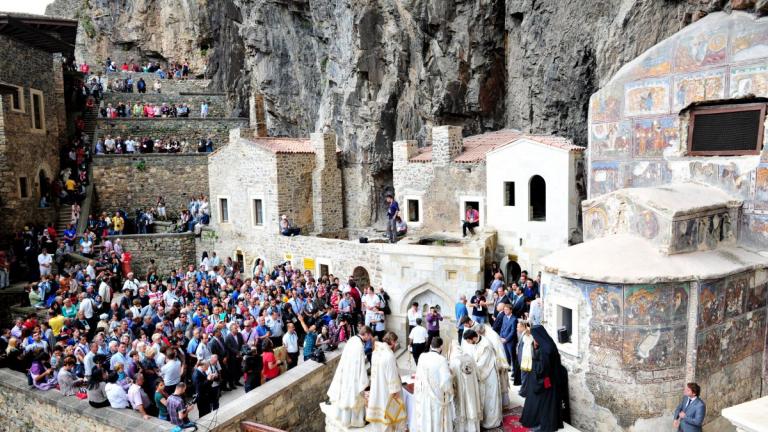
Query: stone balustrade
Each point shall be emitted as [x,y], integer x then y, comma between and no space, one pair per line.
[750,416]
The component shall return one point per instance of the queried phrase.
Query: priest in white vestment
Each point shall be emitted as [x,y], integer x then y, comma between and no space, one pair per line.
[466,388]
[482,351]
[502,366]
[386,409]
[349,382]
[433,391]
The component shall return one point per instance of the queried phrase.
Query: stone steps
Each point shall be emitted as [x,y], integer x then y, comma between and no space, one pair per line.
[191,129]
[64,217]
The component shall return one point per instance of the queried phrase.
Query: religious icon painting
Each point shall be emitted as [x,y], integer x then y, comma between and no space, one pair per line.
[647,97]
[610,140]
[749,42]
[710,352]
[735,291]
[711,303]
[605,105]
[651,136]
[647,304]
[606,336]
[703,47]
[680,303]
[595,222]
[757,296]
[696,87]
[749,80]
[607,303]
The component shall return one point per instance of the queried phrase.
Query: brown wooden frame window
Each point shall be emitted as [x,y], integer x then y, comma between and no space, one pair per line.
[694,150]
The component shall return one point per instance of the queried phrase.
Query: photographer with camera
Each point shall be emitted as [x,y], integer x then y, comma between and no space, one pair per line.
[178,410]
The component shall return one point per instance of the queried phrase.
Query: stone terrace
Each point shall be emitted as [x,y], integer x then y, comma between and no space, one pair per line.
[217,102]
[169,86]
[191,129]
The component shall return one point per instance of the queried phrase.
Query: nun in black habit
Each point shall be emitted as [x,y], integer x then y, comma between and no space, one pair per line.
[546,400]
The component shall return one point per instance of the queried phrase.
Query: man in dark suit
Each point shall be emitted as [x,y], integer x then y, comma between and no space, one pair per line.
[508,336]
[689,415]
[216,346]
[234,341]
[202,387]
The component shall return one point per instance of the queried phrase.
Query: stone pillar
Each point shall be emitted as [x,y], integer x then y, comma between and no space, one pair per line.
[327,202]
[446,144]
[402,152]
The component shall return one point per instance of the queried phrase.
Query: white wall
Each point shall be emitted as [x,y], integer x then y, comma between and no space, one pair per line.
[518,163]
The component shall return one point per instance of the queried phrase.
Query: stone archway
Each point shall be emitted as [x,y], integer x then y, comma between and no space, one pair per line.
[361,277]
[512,271]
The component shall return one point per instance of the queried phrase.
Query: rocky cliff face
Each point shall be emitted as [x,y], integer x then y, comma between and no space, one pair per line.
[377,71]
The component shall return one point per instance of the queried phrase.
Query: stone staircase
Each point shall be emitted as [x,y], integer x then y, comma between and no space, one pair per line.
[63,218]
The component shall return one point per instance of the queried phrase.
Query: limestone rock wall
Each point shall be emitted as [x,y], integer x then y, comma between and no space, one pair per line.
[131,181]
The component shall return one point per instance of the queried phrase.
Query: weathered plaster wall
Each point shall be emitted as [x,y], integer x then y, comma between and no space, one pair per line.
[637,136]
[120,184]
[635,346]
[171,251]
[24,151]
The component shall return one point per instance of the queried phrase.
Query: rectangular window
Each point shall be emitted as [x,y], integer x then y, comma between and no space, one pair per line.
[23,187]
[564,324]
[413,210]
[726,130]
[38,110]
[223,210]
[509,194]
[258,212]
[17,100]
[324,271]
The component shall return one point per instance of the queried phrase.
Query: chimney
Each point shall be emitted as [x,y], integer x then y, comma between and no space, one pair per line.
[327,197]
[446,144]
[257,114]
[403,151]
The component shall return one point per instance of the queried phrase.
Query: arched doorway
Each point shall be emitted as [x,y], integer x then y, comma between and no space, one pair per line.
[513,272]
[537,195]
[361,277]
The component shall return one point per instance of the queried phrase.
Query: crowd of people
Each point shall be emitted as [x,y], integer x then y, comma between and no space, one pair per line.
[150,110]
[149,342]
[173,70]
[131,145]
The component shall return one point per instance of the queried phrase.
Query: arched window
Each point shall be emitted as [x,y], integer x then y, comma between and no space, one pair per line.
[537,195]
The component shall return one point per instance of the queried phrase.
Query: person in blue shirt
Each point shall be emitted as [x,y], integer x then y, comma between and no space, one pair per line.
[393,210]
[461,312]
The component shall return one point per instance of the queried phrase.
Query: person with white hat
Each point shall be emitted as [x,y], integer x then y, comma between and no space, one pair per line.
[286,229]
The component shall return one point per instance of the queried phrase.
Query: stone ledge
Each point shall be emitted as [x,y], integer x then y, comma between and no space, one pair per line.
[171,119]
[151,236]
[118,419]
[150,155]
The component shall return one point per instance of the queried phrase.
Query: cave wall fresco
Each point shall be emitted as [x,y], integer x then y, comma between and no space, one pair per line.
[633,360]
[638,135]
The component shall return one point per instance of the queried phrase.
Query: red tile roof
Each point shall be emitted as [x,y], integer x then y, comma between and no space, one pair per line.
[285,145]
[477,146]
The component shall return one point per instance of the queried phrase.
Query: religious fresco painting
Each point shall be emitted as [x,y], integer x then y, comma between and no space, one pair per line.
[757,297]
[704,171]
[595,222]
[648,173]
[710,353]
[735,181]
[711,303]
[653,348]
[647,97]
[606,336]
[749,80]
[610,140]
[705,47]
[647,304]
[652,136]
[607,303]
[761,187]
[755,229]
[606,177]
[646,224]
[680,302]
[750,340]
[749,42]
[736,289]
[686,234]
[696,87]
[605,106]
[654,62]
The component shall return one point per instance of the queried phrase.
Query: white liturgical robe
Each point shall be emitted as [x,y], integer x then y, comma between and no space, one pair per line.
[348,384]
[468,411]
[488,376]
[433,394]
[501,361]
[385,412]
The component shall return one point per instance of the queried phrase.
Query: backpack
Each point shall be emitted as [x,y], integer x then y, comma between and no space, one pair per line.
[318,355]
